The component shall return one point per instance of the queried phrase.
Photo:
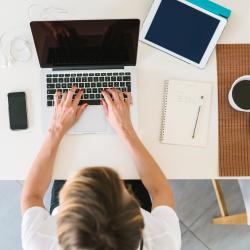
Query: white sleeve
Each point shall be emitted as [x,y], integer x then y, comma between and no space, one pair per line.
[32,220]
[170,222]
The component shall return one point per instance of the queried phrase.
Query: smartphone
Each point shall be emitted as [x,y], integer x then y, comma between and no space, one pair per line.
[17,110]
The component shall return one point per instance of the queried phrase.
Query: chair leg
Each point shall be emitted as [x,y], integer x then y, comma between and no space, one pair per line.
[236,219]
[220,198]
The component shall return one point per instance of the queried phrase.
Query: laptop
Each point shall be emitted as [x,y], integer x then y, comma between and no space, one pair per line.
[89,54]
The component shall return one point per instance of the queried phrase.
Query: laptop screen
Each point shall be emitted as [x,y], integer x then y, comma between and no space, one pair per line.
[86,43]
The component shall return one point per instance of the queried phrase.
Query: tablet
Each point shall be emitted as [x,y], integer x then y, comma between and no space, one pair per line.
[183,30]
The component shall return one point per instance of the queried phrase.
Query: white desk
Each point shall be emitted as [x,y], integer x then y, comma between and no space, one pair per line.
[18,149]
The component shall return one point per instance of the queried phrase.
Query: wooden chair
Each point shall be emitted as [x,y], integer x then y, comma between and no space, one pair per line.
[226,218]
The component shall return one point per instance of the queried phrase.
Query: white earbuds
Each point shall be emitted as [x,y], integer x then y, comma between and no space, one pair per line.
[13,50]
[20,50]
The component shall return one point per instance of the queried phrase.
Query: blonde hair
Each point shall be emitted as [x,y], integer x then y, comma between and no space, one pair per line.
[97,214]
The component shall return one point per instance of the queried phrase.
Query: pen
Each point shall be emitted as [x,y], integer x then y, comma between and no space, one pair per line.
[197,118]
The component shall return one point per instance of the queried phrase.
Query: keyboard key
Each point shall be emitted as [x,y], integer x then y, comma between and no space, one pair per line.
[72,79]
[97,74]
[98,96]
[58,85]
[111,84]
[85,74]
[90,79]
[69,85]
[50,86]
[94,90]
[95,79]
[126,78]
[119,78]
[79,74]
[92,96]
[75,85]
[55,80]
[67,75]
[121,74]
[51,91]
[122,84]
[49,80]
[100,90]
[105,84]
[66,79]
[64,85]
[116,84]
[87,85]
[49,75]
[91,74]
[50,97]
[103,74]
[60,79]
[113,78]
[84,79]
[61,75]
[88,90]
[128,84]
[115,74]
[109,74]
[81,85]
[101,79]
[86,96]
[99,85]
[107,79]
[55,75]
[73,75]
[49,103]
[92,102]
[93,85]
[78,79]
[128,73]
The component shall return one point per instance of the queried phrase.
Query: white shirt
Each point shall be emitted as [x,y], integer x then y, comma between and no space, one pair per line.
[161,232]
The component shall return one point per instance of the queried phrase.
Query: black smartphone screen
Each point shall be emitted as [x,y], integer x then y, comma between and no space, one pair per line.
[17,110]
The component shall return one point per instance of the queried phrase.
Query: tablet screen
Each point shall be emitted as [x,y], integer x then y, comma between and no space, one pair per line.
[182,29]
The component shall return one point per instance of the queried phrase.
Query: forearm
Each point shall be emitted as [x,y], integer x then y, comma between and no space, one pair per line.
[40,174]
[149,171]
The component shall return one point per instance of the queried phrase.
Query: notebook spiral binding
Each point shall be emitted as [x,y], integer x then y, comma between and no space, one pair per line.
[164,111]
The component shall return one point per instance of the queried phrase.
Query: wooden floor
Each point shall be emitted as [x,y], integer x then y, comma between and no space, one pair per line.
[195,204]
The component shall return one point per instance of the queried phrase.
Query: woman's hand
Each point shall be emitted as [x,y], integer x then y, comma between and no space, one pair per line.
[117,110]
[66,112]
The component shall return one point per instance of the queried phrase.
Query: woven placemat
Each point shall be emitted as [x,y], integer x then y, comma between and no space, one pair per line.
[233,61]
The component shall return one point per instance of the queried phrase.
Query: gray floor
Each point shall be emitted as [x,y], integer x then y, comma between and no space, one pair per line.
[195,204]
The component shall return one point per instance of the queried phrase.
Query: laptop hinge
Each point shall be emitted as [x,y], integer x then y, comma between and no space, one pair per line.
[94,67]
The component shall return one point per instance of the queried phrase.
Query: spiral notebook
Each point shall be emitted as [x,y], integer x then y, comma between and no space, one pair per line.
[186,113]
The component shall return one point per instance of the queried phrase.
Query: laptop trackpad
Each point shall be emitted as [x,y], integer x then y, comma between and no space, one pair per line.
[92,121]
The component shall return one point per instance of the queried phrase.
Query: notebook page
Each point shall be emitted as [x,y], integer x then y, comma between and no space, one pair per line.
[183,101]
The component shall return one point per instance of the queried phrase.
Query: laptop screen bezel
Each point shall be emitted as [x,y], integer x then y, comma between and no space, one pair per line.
[133,62]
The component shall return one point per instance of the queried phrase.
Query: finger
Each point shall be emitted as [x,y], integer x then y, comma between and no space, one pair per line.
[129,98]
[107,98]
[70,96]
[78,98]
[81,110]
[105,107]
[121,96]
[57,96]
[64,98]
[114,94]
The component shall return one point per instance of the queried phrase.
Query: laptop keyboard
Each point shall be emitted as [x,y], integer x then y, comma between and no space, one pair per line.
[92,83]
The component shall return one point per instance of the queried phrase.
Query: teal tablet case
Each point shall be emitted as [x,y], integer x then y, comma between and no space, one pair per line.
[212,7]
